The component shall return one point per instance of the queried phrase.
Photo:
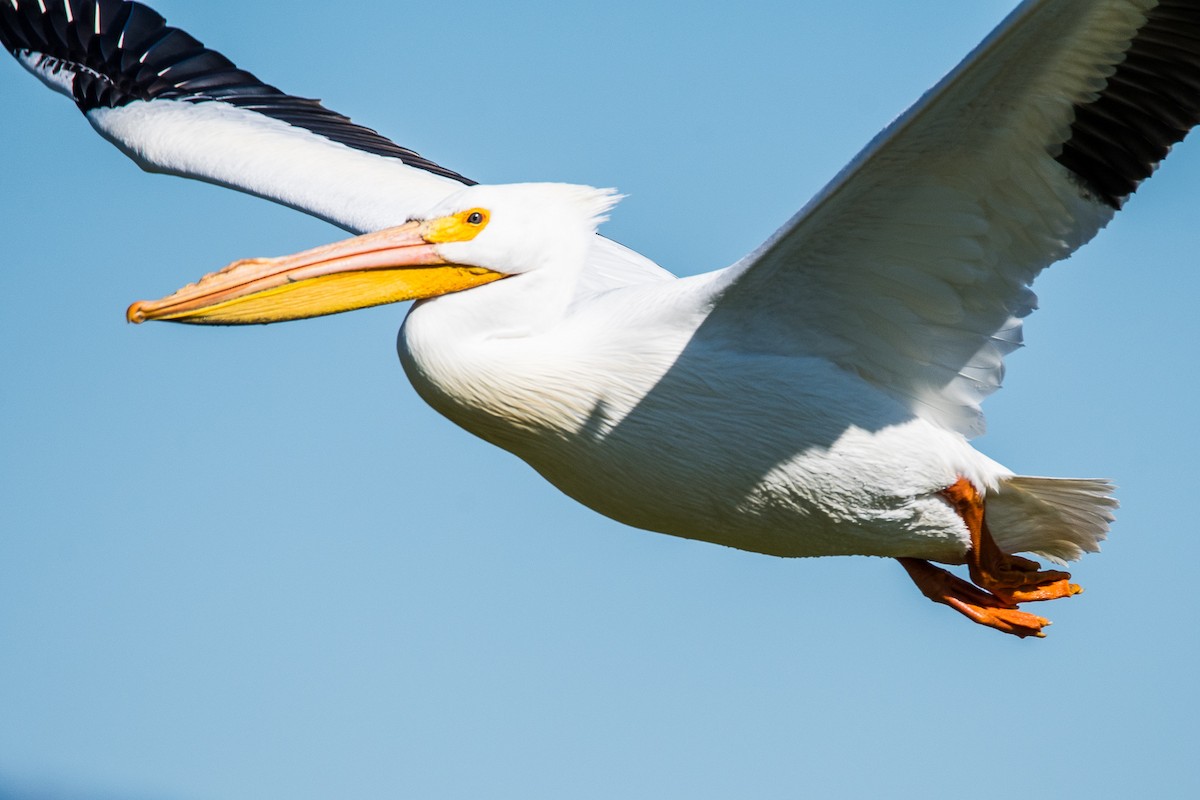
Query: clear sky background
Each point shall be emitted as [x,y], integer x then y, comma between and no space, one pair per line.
[248,563]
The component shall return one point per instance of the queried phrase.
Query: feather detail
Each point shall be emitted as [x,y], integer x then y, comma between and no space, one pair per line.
[1059,519]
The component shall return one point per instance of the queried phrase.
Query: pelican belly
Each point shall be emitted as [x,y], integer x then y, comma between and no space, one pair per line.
[771,460]
[790,456]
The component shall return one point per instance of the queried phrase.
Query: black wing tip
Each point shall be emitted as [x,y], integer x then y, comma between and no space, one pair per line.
[1148,105]
[121,51]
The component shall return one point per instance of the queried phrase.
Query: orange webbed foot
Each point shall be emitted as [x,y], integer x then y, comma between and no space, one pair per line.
[1002,581]
[1017,579]
[1044,589]
[971,601]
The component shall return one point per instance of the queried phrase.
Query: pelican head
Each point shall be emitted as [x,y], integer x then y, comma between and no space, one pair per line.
[476,236]
[520,227]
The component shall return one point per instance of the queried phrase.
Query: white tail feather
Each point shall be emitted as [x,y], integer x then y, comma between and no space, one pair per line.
[1058,519]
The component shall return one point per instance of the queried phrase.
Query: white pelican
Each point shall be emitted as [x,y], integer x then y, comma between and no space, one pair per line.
[815,398]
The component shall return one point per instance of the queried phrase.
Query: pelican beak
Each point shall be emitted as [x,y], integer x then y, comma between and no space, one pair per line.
[386,266]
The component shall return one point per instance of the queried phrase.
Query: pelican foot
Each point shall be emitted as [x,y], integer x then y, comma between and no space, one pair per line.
[1019,580]
[971,601]
[1013,578]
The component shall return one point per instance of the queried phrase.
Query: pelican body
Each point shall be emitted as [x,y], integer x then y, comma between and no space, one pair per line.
[816,398]
[635,413]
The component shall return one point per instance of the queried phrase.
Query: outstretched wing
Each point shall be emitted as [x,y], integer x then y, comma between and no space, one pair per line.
[175,106]
[912,268]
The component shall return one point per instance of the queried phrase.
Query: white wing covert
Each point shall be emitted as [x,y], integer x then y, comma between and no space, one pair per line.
[912,267]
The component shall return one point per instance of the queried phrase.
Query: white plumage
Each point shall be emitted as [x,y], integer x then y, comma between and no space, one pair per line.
[647,405]
[815,398]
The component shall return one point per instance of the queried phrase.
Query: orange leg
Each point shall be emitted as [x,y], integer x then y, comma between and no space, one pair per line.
[1003,580]
[1016,579]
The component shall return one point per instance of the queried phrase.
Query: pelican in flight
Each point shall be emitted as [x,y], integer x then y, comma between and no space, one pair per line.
[815,398]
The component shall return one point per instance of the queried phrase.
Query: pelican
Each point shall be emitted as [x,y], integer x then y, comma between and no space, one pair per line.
[816,398]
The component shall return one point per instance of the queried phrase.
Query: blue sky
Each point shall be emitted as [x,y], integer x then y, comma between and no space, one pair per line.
[245,563]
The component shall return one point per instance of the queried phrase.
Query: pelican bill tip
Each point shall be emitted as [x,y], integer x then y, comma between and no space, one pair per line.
[136,313]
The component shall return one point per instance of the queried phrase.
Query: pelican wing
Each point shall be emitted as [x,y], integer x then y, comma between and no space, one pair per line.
[175,106]
[912,268]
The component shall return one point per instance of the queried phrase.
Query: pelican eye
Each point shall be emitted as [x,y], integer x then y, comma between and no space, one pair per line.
[461,227]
